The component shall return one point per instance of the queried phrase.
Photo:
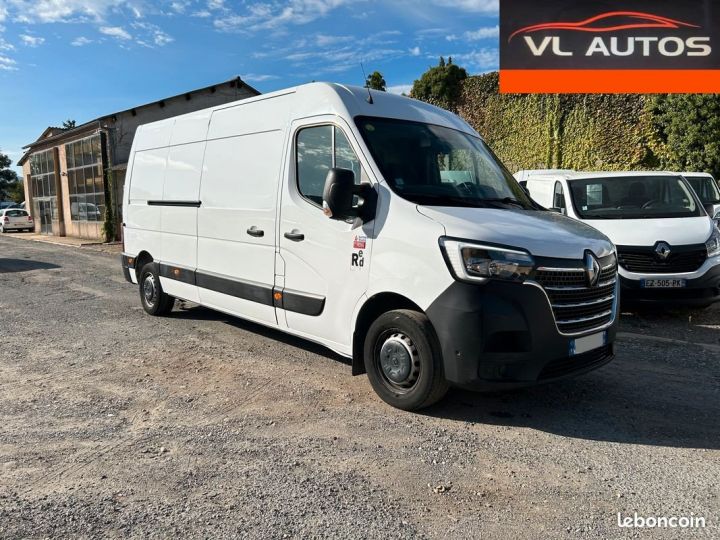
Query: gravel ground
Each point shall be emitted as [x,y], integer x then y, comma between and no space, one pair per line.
[115,424]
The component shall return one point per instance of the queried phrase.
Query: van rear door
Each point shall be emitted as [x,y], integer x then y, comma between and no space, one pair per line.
[325,263]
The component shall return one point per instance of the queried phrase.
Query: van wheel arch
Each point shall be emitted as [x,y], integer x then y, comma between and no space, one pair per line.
[370,311]
[140,261]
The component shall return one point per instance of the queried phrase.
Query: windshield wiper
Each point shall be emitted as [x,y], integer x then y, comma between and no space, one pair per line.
[445,200]
[507,201]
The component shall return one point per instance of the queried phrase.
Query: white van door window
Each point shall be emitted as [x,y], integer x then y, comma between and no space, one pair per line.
[559,197]
[319,149]
[345,157]
[314,160]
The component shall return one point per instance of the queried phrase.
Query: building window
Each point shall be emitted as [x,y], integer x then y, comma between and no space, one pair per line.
[85,179]
[42,186]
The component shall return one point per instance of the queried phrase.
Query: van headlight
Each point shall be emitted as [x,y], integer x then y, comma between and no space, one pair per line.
[477,262]
[713,245]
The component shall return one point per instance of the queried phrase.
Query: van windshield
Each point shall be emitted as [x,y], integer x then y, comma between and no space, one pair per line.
[706,189]
[436,166]
[634,197]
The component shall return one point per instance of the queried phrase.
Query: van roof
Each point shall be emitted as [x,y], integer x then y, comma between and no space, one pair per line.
[570,176]
[347,101]
[706,175]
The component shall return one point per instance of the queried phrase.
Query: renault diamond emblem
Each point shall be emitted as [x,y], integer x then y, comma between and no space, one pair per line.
[663,251]
[592,269]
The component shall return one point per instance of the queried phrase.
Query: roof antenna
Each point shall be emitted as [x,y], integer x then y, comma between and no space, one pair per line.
[369,98]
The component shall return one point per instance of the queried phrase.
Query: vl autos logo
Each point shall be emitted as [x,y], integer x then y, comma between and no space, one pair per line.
[613,45]
[610,46]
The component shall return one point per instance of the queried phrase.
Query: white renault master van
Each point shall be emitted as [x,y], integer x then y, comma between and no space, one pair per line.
[379,226]
[668,247]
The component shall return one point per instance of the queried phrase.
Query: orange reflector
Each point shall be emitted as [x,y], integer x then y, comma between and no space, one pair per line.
[277,296]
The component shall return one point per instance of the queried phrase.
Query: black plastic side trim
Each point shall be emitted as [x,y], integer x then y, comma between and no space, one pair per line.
[297,302]
[187,204]
[178,273]
[306,304]
[247,290]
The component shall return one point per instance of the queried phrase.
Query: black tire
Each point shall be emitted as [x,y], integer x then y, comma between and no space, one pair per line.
[403,360]
[154,301]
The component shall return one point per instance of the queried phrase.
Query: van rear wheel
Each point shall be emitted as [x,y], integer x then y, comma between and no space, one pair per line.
[153,299]
[403,360]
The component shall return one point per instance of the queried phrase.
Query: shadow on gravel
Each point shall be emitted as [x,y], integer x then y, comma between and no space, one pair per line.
[200,313]
[619,404]
[9,266]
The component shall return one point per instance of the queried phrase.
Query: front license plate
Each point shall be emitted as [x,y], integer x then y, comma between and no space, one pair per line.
[663,284]
[588,343]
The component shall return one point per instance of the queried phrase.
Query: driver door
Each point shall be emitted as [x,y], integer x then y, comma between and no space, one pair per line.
[324,264]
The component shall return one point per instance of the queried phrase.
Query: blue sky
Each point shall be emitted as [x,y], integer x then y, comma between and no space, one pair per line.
[81,59]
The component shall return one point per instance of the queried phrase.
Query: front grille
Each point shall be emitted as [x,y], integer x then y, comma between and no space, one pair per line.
[682,260]
[577,307]
[581,362]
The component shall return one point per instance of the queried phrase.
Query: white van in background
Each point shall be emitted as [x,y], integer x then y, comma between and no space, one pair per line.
[706,188]
[523,176]
[376,225]
[668,248]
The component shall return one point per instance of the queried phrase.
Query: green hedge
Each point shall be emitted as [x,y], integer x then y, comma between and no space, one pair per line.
[593,132]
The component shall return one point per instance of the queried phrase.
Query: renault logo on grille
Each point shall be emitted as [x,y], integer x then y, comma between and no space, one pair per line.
[663,251]
[592,269]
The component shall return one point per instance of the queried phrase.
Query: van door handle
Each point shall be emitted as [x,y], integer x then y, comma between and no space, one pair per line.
[295,236]
[254,231]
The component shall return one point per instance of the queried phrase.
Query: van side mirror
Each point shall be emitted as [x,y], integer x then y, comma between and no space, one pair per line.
[338,194]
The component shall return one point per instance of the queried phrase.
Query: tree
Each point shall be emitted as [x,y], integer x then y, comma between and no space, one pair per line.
[17,191]
[8,177]
[376,82]
[441,85]
[687,128]
[68,124]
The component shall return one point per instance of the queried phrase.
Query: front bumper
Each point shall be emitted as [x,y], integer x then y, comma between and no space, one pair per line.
[703,287]
[503,335]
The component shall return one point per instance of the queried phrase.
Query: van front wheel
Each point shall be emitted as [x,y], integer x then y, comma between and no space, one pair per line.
[153,299]
[403,360]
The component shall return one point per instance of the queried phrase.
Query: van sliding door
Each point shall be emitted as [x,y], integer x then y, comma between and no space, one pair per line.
[237,226]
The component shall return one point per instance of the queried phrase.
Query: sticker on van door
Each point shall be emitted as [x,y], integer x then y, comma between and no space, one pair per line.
[360,242]
[358,260]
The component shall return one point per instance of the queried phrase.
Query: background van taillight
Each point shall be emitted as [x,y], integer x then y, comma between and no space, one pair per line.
[29,218]
[6,220]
